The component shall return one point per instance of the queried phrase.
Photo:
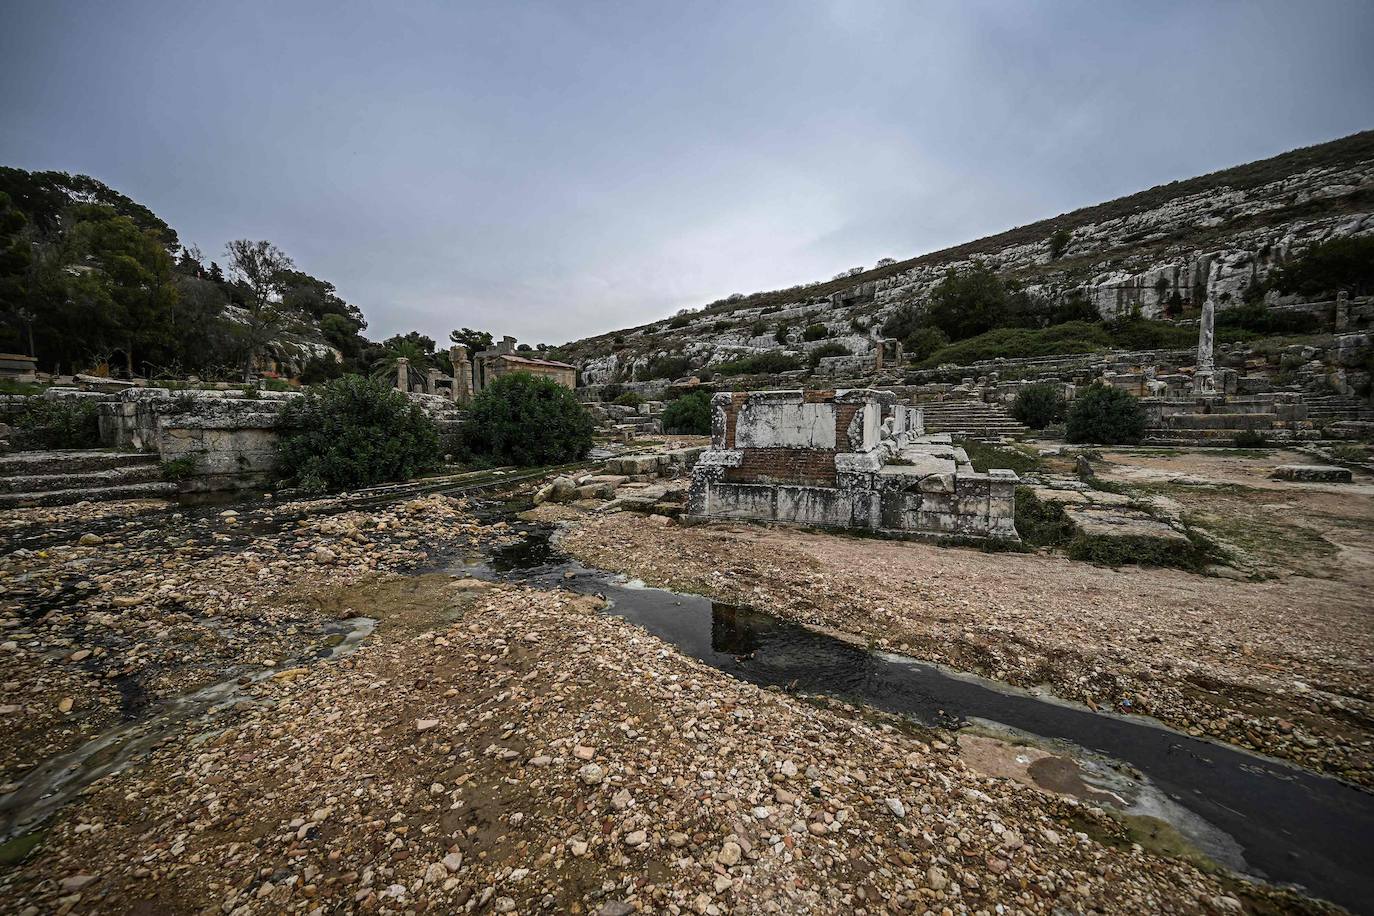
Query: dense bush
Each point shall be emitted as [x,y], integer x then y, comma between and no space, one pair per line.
[760,364]
[1105,415]
[1324,269]
[680,321]
[1039,405]
[920,344]
[1059,241]
[628,399]
[1251,438]
[60,423]
[834,348]
[902,323]
[665,367]
[968,302]
[526,420]
[1256,317]
[1143,334]
[689,415]
[780,335]
[354,432]
[815,332]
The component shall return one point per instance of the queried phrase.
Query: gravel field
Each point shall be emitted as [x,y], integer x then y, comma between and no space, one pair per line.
[502,750]
[497,748]
[1280,665]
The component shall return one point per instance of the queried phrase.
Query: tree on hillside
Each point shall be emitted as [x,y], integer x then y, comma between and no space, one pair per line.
[1346,263]
[259,271]
[475,341]
[968,302]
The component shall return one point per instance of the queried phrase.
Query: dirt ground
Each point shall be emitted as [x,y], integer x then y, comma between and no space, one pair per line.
[1279,664]
[499,749]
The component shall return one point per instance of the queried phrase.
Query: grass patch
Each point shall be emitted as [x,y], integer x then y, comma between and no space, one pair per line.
[1041,523]
[1192,555]
[19,848]
[985,457]
[179,469]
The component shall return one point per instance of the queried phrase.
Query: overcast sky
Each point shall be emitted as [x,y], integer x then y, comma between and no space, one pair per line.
[554,170]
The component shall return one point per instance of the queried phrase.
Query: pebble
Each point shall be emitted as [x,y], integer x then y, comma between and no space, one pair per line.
[591,774]
[729,854]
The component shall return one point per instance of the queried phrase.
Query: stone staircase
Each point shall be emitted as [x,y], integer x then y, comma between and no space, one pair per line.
[61,478]
[1325,409]
[968,418]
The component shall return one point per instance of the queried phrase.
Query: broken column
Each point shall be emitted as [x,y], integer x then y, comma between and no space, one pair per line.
[1204,377]
[432,377]
[462,374]
[402,373]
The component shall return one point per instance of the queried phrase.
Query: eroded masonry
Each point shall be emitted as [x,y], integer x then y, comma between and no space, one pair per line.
[850,459]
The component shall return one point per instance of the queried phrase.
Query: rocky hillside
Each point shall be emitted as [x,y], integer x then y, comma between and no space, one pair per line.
[1180,243]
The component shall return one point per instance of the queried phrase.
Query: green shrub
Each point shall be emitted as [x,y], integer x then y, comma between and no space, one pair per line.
[760,364]
[665,367]
[1345,263]
[525,420]
[780,335]
[1251,438]
[1039,406]
[815,332]
[628,399]
[1144,334]
[689,415]
[1105,415]
[1059,241]
[354,432]
[680,321]
[858,325]
[58,423]
[179,469]
[921,343]
[1259,318]
[968,302]
[902,323]
[1041,524]
[1140,551]
[834,348]
[758,328]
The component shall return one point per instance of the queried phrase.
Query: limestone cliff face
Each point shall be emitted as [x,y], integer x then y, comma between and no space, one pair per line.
[1206,237]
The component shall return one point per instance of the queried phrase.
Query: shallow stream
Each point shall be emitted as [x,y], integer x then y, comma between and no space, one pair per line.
[1258,816]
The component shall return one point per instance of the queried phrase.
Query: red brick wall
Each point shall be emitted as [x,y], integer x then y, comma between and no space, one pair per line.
[813,467]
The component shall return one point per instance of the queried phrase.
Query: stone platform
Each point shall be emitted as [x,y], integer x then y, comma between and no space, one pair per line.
[848,459]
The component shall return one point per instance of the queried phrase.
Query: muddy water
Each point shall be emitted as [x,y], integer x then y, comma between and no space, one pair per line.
[1259,816]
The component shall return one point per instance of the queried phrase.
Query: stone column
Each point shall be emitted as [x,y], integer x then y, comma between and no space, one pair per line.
[432,377]
[462,374]
[1205,383]
[1342,310]
[403,373]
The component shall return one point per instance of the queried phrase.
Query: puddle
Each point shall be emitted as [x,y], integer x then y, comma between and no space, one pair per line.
[1259,816]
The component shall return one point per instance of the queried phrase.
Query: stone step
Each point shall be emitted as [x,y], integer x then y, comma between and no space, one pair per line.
[86,480]
[70,461]
[151,490]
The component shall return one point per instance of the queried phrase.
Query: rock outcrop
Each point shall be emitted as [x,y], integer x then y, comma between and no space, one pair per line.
[1168,247]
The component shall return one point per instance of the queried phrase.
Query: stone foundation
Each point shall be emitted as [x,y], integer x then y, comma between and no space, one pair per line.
[851,459]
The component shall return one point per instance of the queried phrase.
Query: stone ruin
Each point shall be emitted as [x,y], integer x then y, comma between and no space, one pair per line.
[848,459]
